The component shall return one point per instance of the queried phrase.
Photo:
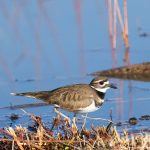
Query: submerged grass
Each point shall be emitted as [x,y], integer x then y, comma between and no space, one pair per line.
[67,136]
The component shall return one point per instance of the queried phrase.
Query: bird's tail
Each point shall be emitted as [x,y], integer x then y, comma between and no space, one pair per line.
[39,95]
[19,94]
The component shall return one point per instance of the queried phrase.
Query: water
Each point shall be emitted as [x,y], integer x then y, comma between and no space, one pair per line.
[47,45]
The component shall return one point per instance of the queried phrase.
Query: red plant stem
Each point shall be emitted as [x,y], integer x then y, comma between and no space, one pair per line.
[80,37]
[126,17]
[114,24]
[112,41]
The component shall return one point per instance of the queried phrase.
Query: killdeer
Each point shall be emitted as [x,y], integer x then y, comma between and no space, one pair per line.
[77,98]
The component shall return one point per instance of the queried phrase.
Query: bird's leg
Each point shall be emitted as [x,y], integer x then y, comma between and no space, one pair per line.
[62,115]
[74,122]
[74,116]
[84,121]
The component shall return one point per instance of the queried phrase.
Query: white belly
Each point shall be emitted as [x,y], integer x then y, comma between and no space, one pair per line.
[89,108]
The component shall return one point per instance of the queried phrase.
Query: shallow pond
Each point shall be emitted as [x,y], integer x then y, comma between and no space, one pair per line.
[51,44]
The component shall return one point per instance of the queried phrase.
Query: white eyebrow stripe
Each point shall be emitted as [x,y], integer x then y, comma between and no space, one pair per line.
[105,81]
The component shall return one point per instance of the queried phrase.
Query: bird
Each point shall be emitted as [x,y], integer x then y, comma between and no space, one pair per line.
[77,98]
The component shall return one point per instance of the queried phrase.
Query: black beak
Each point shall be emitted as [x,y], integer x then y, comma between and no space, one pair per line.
[112,86]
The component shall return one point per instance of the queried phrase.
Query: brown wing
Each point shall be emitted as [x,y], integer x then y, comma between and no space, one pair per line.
[72,97]
[69,97]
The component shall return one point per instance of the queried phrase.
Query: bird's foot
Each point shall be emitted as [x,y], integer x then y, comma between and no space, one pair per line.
[74,123]
[67,119]
[74,126]
[84,122]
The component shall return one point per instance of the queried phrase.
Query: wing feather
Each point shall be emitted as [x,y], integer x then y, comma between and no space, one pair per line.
[70,98]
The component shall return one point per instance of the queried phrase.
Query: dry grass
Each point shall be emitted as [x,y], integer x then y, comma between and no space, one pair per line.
[68,137]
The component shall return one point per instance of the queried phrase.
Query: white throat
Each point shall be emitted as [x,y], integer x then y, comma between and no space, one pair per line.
[103,90]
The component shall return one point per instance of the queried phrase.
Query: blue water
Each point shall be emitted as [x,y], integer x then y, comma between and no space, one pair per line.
[54,44]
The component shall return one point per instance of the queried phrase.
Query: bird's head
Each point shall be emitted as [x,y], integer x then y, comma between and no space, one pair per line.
[101,84]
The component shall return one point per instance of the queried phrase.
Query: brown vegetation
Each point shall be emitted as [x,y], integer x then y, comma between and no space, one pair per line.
[68,137]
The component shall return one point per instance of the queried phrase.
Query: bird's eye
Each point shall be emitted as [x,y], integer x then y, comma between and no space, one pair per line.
[101,82]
